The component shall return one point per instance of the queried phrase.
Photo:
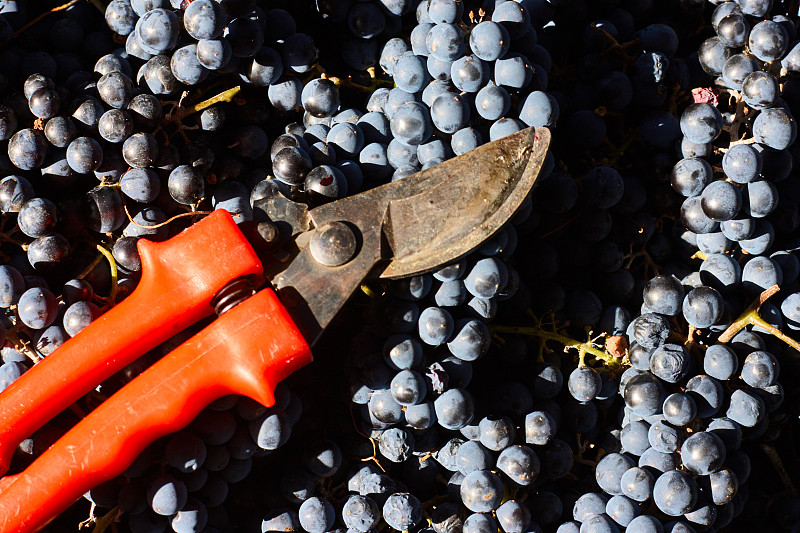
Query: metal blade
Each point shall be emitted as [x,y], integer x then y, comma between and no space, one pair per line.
[411,226]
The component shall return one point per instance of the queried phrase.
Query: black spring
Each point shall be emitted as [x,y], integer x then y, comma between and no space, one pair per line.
[232,294]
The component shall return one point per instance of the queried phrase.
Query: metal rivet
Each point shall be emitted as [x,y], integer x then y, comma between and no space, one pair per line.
[333,244]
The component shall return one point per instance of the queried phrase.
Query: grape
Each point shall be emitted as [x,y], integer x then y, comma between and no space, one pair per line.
[713,55]
[185,451]
[166,495]
[584,383]
[774,128]
[186,186]
[701,123]
[360,513]
[140,150]
[768,41]
[449,112]
[489,40]
[192,517]
[670,362]
[78,316]
[637,483]
[27,149]
[703,307]
[402,511]
[760,369]
[761,199]
[471,339]
[410,72]
[37,217]
[721,201]
[760,90]
[316,515]
[142,185]
[609,472]
[481,491]
[454,409]
[703,453]
[622,509]
[411,123]
[736,68]
[645,524]
[588,504]
[675,493]
[643,394]
[679,408]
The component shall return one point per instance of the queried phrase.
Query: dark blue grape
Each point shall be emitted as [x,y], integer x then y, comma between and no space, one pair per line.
[774,128]
[720,362]
[120,17]
[675,493]
[637,483]
[702,453]
[703,307]
[27,149]
[471,339]
[185,451]
[360,513]
[481,491]
[489,40]
[588,504]
[720,201]
[690,176]
[316,515]
[37,217]
[584,383]
[768,41]
[79,315]
[645,524]
[701,123]
[454,409]
[609,470]
[157,30]
[712,55]
[760,369]
[670,362]
[644,394]
[166,495]
[204,19]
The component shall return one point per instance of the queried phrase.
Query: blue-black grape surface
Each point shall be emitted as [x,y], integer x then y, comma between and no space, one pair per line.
[602,363]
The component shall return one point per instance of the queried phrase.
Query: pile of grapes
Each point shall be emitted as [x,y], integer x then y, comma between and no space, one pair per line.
[621,356]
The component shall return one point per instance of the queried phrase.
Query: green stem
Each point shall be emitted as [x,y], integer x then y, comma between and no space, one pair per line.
[225,96]
[746,318]
[112,298]
[569,343]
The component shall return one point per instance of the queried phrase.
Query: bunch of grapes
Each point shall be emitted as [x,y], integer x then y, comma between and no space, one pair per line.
[617,357]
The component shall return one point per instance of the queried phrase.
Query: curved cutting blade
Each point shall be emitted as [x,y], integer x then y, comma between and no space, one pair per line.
[462,202]
[413,225]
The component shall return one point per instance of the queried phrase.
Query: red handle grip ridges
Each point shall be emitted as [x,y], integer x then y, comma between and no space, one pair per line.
[180,276]
[247,351]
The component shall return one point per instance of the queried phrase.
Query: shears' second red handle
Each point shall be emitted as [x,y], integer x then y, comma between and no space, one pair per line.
[248,350]
[180,276]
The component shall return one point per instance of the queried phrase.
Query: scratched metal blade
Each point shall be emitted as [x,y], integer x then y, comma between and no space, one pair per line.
[413,225]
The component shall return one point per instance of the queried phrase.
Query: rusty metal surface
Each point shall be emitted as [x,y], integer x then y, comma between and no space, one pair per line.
[409,226]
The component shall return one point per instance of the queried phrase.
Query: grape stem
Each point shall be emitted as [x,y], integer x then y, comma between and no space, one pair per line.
[750,317]
[777,464]
[538,331]
[43,15]
[224,96]
[112,298]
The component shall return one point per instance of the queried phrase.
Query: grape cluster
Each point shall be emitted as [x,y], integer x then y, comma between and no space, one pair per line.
[615,358]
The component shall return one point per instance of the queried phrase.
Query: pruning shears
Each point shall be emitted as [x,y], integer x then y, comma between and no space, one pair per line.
[400,229]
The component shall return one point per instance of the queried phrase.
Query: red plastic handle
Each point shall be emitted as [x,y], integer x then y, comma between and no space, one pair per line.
[180,276]
[248,350]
